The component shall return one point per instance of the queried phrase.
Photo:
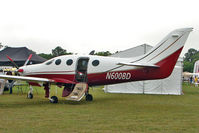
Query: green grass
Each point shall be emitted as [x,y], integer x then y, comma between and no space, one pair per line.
[108,113]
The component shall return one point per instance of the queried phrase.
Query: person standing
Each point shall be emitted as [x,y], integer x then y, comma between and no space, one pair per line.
[11,82]
[191,80]
[196,81]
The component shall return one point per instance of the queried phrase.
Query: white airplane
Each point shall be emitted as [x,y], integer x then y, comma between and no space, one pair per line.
[77,73]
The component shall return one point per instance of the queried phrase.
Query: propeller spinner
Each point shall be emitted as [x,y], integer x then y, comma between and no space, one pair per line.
[19,70]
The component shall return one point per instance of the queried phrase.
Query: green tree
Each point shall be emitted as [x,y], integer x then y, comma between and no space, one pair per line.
[46,56]
[55,52]
[189,55]
[58,51]
[103,53]
[190,58]
[188,66]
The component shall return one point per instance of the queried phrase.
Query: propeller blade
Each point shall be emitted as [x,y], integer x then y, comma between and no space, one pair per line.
[30,56]
[12,62]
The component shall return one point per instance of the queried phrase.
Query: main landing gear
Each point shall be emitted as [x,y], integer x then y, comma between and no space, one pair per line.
[89,97]
[54,99]
[79,92]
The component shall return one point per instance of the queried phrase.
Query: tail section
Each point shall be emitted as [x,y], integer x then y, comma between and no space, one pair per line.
[172,43]
[166,53]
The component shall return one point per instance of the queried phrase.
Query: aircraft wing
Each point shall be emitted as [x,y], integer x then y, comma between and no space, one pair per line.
[138,64]
[34,79]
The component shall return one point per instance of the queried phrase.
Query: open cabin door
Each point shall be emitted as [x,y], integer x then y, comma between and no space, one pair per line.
[81,70]
[81,78]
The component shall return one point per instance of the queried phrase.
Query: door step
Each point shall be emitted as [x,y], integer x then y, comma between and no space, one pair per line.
[78,92]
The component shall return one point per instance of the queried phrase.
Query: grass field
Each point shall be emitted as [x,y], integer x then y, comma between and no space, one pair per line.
[108,113]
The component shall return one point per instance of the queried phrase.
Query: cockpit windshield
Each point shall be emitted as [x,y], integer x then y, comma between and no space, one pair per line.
[49,62]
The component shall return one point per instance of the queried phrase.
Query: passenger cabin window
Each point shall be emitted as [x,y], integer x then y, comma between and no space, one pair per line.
[95,63]
[58,61]
[69,62]
[49,62]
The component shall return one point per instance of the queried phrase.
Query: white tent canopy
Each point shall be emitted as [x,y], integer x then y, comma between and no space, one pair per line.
[196,67]
[171,85]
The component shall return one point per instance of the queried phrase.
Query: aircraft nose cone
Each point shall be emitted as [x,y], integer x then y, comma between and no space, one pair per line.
[21,70]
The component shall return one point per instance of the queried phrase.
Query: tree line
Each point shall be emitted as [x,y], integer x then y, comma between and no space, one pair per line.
[58,51]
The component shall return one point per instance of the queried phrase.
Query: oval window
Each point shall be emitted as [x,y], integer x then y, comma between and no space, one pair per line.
[49,62]
[95,63]
[58,61]
[69,62]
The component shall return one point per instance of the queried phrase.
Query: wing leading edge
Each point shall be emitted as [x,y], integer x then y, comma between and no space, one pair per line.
[34,79]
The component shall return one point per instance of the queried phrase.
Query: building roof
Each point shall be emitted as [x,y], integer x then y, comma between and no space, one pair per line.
[19,54]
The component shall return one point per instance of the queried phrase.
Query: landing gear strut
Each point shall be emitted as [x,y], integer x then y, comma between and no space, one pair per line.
[52,99]
[30,93]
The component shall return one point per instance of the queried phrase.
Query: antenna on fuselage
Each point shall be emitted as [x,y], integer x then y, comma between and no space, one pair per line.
[92,52]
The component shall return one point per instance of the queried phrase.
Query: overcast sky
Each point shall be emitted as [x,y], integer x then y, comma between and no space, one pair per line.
[80,26]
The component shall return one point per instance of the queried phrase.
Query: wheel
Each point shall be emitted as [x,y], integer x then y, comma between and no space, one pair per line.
[53,99]
[89,97]
[30,96]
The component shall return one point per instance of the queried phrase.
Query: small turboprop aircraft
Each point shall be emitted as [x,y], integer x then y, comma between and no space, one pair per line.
[77,73]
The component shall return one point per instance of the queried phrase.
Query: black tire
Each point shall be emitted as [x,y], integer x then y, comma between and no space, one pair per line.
[89,97]
[30,96]
[53,99]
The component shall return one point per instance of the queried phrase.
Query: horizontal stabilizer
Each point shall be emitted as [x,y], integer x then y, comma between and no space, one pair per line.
[138,64]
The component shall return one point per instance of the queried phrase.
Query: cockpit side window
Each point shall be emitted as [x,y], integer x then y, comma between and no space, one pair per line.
[49,62]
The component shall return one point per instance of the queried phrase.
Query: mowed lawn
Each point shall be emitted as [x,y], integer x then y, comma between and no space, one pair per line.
[108,113]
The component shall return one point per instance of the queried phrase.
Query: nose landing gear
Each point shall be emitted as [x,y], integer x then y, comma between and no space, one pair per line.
[30,93]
